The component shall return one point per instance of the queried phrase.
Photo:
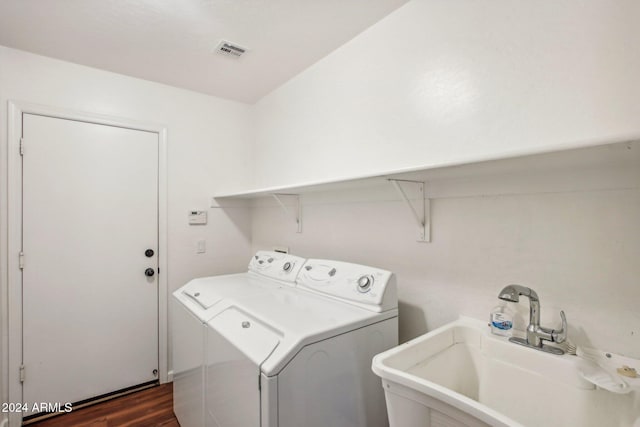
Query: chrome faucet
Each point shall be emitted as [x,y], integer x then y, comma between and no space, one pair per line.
[536,334]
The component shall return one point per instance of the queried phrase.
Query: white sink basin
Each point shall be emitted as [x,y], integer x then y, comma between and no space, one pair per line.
[462,375]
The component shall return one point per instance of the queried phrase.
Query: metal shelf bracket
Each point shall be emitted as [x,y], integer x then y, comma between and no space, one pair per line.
[297,214]
[418,204]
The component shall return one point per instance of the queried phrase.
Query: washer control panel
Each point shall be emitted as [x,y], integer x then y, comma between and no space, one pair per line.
[368,287]
[276,265]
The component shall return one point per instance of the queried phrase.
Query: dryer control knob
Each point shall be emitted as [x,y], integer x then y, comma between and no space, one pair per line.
[364,283]
[287,266]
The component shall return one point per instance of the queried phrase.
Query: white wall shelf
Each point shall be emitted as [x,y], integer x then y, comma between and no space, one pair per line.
[586,157]
[410,183]
[304,187]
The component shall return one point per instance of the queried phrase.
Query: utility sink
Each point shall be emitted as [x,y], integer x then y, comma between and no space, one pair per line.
[462,375]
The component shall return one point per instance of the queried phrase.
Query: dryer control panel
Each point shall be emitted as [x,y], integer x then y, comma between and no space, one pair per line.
[276,265]
[367,287]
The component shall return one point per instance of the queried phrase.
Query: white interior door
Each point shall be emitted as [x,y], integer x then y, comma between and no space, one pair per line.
[90,211]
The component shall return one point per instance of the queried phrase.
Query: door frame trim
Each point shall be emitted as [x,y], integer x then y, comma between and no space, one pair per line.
[11,283]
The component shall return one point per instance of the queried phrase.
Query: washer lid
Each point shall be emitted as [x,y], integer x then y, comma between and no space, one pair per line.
[252,337]
[296,318]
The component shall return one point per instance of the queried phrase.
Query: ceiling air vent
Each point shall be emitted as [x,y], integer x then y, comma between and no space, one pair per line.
[230,49]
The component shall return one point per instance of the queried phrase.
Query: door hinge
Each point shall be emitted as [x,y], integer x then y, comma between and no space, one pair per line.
[21,260]
[21,371]
[22,146]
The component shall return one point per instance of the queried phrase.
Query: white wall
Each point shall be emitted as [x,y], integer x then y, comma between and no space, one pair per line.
[448,81]
[569,231]
[208,146]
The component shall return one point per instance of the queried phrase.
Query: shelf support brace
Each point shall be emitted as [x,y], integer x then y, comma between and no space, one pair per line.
[297,215]
[420,207]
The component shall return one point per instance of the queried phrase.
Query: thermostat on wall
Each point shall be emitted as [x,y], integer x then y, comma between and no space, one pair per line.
[197,217]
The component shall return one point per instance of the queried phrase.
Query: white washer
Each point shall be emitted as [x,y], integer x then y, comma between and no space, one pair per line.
[301,357]
[198,301]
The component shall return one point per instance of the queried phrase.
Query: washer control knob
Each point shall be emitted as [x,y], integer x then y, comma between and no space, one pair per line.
[287,266]
[364,283]
[270,260]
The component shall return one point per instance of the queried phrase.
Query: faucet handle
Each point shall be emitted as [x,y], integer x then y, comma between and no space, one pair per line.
[561,335]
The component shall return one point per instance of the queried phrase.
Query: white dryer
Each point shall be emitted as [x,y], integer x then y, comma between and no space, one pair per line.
[301,357]
[198,301]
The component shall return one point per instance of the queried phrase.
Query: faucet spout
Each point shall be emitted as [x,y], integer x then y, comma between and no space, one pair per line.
[512,293]
[535,332]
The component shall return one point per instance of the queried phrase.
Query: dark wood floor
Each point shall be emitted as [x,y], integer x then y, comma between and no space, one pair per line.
[146,408]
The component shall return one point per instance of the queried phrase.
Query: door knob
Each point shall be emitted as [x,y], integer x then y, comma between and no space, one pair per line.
[148,253]
[149,272]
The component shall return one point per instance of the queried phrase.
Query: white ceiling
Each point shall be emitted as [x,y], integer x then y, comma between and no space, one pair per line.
[172,41]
